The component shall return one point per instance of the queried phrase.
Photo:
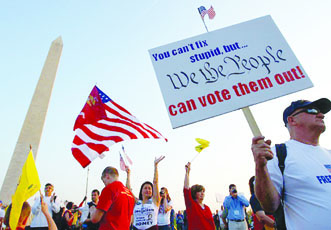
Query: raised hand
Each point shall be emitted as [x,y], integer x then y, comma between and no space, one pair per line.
[261,151]
[127,170]
[52,197]
[158,160]
[44,207]
[188,167]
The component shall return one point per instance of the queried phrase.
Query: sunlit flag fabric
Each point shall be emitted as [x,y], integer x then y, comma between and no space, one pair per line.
[102,123]
[203,144]
[28,185]
[122,163]
[126,156]
[211,13]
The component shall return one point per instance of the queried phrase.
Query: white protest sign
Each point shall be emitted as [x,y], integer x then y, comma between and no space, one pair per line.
[225,70]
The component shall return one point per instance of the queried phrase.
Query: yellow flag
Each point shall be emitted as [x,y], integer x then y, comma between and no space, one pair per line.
[203,144]
[28,185]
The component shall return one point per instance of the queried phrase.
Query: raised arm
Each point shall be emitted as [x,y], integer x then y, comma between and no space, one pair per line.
[167,207]
[36,208]
[243,200]
[156,194]
[187,175]
[128,181]
[264,189]
[50,221]
[55,204]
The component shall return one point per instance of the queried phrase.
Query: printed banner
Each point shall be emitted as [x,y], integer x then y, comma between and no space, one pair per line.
[225,70]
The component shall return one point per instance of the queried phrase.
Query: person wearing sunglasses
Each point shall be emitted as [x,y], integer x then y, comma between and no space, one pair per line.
[304,187]
[163,217]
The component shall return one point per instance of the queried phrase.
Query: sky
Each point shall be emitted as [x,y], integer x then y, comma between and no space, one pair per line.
[106,43]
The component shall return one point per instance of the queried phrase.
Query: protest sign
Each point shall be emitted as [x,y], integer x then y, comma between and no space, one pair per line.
[225,70]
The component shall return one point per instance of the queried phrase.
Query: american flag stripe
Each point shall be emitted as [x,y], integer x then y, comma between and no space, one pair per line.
[125,125]
[99,148]
[103,123]
[122,163]
[80,157]
[94,133]
[83,154]
[130,126]
[134,121]
[114,129]
[82,135]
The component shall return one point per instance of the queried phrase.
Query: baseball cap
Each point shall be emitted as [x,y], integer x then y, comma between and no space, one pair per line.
[323,104]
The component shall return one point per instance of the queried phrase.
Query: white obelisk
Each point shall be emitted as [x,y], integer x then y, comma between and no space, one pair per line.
[34,121]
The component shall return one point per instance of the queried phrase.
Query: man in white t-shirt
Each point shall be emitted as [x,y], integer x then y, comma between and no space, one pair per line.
[307,174]
[39,221]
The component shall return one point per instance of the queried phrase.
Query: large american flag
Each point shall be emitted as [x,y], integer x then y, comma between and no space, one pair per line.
[102,123]
[211,13]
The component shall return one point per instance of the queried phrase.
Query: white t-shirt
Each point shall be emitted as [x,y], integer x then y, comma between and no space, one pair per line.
[39,219]
[2,213]
[220,215]
[307,177]
[145,215]
[163,217]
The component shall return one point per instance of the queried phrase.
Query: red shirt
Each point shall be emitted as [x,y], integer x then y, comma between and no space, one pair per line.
[257,224]
[197,217]
[118,202]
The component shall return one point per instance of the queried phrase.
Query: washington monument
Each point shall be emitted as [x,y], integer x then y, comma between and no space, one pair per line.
[34,121]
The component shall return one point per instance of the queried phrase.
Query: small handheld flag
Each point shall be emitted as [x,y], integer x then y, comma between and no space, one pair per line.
[126,156]
[203,144]
[122,163]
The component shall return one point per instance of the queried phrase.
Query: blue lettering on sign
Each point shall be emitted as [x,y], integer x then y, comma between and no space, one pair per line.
[324,179]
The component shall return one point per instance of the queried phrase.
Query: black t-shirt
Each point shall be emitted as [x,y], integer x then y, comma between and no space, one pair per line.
[255,204]
[90,225]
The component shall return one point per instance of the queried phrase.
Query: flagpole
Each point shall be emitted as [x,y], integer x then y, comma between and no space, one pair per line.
[88,170]
[205,25]
[194,157]
[203,21]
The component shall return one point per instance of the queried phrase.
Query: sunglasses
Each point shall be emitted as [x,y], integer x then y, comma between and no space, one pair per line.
[313,111]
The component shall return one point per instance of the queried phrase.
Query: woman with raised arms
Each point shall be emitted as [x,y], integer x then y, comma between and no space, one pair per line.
[147,205]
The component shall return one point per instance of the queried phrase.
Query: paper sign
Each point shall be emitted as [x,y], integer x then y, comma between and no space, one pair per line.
[225,70]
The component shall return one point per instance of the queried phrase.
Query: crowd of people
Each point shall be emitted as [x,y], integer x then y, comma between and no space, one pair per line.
[290,190]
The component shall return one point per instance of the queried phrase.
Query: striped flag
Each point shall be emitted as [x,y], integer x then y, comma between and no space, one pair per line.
[102,123]
[126,156]
[211,13]
[122,163]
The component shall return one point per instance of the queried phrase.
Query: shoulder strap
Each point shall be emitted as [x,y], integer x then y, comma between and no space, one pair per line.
[281,155]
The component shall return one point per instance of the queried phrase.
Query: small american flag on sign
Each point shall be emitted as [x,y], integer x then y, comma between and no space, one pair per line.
[211,13]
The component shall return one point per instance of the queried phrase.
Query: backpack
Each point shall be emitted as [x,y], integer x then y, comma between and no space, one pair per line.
[279,213]
[57,217]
